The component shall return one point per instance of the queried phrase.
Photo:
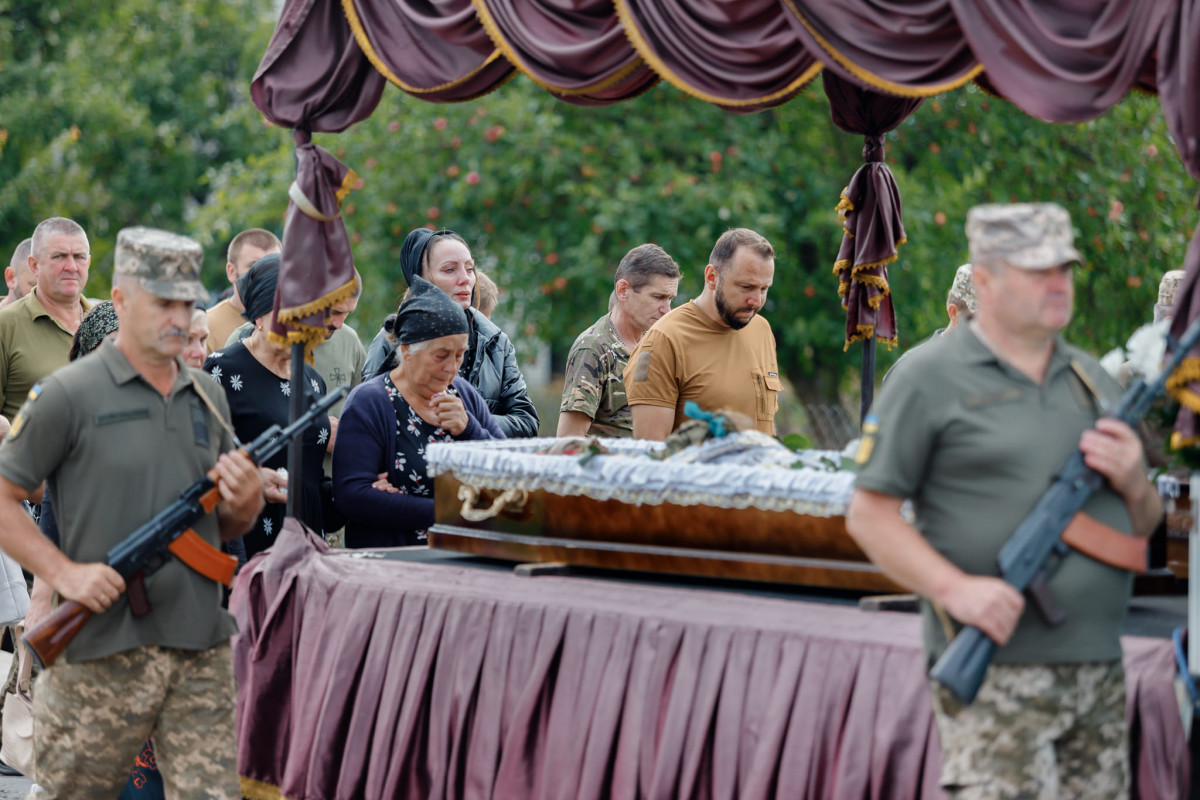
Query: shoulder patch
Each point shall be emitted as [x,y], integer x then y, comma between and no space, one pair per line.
[866,445]
[18,422]
[642,371]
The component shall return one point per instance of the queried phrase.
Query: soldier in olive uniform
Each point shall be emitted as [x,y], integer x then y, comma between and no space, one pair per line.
[973,431]
[593,401]
[118,435]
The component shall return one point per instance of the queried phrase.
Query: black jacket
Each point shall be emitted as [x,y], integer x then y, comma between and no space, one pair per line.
[491,369]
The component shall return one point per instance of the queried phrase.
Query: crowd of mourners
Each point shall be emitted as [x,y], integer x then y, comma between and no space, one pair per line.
[108,415]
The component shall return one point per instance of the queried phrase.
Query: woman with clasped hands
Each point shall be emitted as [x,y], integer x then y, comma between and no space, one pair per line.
[379,479]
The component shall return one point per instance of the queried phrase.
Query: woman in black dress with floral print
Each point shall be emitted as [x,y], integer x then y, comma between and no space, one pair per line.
[255,375]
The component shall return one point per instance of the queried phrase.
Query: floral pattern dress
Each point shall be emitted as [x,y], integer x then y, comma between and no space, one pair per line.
[413,435]
[258,399]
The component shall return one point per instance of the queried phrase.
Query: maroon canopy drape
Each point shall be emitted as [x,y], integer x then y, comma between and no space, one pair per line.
[314,78]
[1059,60]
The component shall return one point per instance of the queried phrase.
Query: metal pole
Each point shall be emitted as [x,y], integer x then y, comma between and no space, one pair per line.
[1193,640]
[868,378]
[295,409]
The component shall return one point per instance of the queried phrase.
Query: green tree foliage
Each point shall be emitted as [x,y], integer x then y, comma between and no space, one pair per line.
[136,112]
[114,113]
[550,196]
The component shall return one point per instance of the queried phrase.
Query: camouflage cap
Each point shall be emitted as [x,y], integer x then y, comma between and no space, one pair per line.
[168,265]
[964,287]
[1026,235]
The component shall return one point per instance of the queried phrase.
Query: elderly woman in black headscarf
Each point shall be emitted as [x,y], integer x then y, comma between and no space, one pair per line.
[490,362]
[256,376]
[379,479]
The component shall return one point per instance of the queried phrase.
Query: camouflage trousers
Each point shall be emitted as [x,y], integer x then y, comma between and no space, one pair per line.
[91,720]
[1037,731]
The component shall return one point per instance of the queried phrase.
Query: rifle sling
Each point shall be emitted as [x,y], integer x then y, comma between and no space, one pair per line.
[211,406]
[201,556]
[1105,544]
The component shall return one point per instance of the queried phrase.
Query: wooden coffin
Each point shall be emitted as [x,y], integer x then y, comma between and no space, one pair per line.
[508,509]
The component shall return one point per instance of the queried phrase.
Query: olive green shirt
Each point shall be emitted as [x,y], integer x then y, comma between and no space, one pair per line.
[32,345]
[593,384]
[115,452]
[975,443]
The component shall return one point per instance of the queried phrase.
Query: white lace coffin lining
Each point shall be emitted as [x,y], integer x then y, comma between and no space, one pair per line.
[627,475]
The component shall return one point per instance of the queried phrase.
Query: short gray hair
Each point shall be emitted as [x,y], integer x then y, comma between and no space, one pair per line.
[54,226]
[20,256]
[642,263]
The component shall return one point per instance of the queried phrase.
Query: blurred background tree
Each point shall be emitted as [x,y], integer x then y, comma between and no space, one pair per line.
[139,113]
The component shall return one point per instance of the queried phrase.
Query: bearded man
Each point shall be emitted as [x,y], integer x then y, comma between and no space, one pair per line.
[716,350]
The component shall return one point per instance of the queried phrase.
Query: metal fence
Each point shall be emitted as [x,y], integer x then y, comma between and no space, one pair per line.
[830,425]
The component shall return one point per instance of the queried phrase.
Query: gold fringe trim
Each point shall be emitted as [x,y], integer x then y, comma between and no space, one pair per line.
[1187,372]
[259,790]
[1179,441]
[865,332]
[878,281]
[1186,397]
[873,80]
[309,335]
[347,184]
[650,57]
[493,32]
[845,203]
[360,35]
[840,265]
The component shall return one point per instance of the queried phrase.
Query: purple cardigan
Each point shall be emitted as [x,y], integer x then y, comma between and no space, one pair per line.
[366,446]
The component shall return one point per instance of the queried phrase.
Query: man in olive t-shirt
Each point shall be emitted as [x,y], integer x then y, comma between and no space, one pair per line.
[973,431]
[118,435]
[715,350]
[36,331]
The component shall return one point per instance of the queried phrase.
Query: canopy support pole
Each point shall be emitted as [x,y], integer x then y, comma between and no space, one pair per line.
[295,451]
[868,378]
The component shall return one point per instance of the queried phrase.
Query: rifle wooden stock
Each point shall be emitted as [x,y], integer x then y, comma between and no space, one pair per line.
[50,637]
[170,530]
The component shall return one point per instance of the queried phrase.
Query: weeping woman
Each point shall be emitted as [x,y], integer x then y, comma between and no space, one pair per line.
[379,480]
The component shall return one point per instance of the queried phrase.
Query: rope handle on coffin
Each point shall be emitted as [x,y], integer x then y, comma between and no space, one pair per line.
[510,498]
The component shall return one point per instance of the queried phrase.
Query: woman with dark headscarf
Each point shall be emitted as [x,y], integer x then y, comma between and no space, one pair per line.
[379,479]
[490,363]
[256,376]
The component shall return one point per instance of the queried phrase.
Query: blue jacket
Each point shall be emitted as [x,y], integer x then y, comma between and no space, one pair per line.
[366,446]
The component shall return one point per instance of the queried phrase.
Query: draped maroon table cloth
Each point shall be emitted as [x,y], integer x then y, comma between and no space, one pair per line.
[380,679]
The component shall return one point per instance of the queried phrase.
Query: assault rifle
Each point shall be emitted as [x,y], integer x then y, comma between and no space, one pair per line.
[1024,559]
[149,547]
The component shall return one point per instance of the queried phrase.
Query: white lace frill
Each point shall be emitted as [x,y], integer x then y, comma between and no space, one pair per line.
[627,475]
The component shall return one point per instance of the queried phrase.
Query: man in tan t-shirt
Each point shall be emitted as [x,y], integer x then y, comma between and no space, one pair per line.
[247,247]
[715,350]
